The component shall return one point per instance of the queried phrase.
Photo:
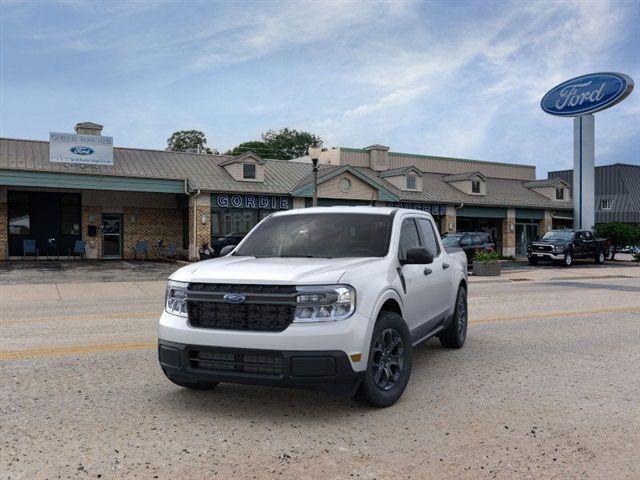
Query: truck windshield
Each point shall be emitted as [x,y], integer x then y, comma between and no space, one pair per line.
[328,235]
[558,235]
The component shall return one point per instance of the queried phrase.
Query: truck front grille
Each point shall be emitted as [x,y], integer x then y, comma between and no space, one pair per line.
[220,360]
[267,308]
[543,248]
[253,316]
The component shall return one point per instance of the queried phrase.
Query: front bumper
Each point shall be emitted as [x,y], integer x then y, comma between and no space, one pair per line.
[328,370]
[547,256]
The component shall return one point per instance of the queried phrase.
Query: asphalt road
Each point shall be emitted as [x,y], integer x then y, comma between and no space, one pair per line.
[547,386]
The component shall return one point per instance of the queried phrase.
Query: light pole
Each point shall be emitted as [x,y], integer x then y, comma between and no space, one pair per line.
[314,153]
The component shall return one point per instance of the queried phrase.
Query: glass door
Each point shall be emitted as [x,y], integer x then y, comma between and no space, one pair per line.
[111,235]
[525,233]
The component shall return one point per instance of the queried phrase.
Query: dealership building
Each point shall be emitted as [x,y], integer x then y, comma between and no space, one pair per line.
[79,187]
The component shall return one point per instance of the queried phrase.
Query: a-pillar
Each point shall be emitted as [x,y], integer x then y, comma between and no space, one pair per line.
[448,221]
[509,234]
[199,223]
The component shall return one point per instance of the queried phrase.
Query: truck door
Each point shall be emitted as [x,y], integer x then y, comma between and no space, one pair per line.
[589,245]
[440,291]
[579,245]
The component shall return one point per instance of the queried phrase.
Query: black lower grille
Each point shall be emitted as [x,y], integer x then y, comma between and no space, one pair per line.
[244,316]
[264,362]
[543,248]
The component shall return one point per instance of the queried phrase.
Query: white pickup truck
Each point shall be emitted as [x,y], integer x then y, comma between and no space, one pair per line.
[332,298]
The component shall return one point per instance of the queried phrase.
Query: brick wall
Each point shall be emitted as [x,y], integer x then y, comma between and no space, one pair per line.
[203,230]
[150,224]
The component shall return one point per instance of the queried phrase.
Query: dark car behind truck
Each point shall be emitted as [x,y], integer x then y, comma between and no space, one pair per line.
[565,246]
[470,242]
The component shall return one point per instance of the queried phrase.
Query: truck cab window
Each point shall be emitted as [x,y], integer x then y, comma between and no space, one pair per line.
[408,237]
[428,236]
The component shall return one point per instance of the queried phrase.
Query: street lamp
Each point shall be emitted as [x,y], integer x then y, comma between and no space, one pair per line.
[314,153]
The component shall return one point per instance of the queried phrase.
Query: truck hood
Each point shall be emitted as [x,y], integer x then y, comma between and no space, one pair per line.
[271,270]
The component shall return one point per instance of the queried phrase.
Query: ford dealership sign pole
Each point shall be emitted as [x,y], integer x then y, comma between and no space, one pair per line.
[580,97]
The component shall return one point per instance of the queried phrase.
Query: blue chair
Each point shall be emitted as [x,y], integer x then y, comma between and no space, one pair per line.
[142,247]
[80,249]
[172,250]
[29,248]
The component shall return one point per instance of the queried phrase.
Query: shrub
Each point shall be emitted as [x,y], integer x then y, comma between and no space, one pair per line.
[483,257]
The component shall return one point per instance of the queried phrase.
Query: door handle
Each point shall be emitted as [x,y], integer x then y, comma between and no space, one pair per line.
[427,271]
[445,266]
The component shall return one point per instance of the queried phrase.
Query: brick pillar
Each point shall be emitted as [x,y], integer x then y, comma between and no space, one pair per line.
[545,224]
[4,227]
[448,221]
[201,210]
[92,215]
[509,233]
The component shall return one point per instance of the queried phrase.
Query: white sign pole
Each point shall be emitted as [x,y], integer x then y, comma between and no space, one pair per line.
[583,172]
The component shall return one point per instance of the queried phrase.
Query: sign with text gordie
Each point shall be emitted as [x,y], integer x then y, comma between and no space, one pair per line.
[234,200]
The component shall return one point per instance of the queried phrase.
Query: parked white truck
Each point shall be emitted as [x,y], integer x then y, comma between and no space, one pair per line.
[331,298]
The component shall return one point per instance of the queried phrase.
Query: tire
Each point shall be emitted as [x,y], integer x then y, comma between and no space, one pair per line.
[600,257]
[532,260]
[568,260]
[389,364]
[456,334]
[192,385]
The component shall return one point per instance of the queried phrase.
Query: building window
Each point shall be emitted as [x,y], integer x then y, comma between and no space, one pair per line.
[19,220]
[559,193]
[70,214]
[249,171]
[475,186]
[605,204]
[411,182]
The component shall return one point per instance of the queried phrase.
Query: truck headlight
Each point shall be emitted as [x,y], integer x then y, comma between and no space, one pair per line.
[176,298]
[559,248]
[325,303]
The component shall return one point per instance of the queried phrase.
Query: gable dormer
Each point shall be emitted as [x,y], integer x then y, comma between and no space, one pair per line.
[247,167]
[553,188]
[408,179]
[471,183]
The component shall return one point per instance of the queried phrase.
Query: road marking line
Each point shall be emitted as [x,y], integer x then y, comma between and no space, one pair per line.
[118,347]
[155,314]
[573,313]
[70,350]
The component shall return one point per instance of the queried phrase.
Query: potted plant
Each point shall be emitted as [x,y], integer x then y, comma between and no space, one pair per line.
[205,252]
[486,264]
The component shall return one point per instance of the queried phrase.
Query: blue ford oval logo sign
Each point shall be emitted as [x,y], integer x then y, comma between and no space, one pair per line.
[234,298]
[82,150]
[587,94]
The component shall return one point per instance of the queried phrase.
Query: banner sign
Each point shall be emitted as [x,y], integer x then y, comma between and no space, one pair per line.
[80,149]
[425,207]
[228,200]
[587,94]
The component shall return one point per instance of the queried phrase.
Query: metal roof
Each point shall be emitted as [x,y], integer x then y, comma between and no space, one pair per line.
[463,176]
[283,177]
[202,171]
[547,182]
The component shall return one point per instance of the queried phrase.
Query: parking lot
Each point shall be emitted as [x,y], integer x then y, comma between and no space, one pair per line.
[546,387]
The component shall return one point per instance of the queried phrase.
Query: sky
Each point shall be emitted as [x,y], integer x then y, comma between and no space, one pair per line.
[451,78]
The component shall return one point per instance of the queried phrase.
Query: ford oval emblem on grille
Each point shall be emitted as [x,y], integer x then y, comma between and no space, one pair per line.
[234,298]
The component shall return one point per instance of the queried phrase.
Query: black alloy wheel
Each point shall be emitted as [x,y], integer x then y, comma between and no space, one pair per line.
[600,257]
[388,359]
[456,333]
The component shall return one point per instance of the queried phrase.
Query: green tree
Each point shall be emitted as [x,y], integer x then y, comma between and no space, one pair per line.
[184,140]
[255,146]
[619,234]
[289,143]
[283,144]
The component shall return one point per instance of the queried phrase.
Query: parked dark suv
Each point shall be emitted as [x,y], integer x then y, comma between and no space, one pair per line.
[470,242]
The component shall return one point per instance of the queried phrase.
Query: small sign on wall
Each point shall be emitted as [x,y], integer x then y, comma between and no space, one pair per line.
[80,149]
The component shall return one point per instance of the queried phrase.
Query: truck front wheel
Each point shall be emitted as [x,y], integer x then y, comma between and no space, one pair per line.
[568,260]
[389,364]
[600,257]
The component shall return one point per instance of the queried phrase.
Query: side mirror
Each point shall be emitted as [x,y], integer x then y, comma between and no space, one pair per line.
[418,256]
[227,250]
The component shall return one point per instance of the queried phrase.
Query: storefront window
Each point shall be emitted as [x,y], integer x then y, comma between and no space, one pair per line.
[19,221]
[70,214]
